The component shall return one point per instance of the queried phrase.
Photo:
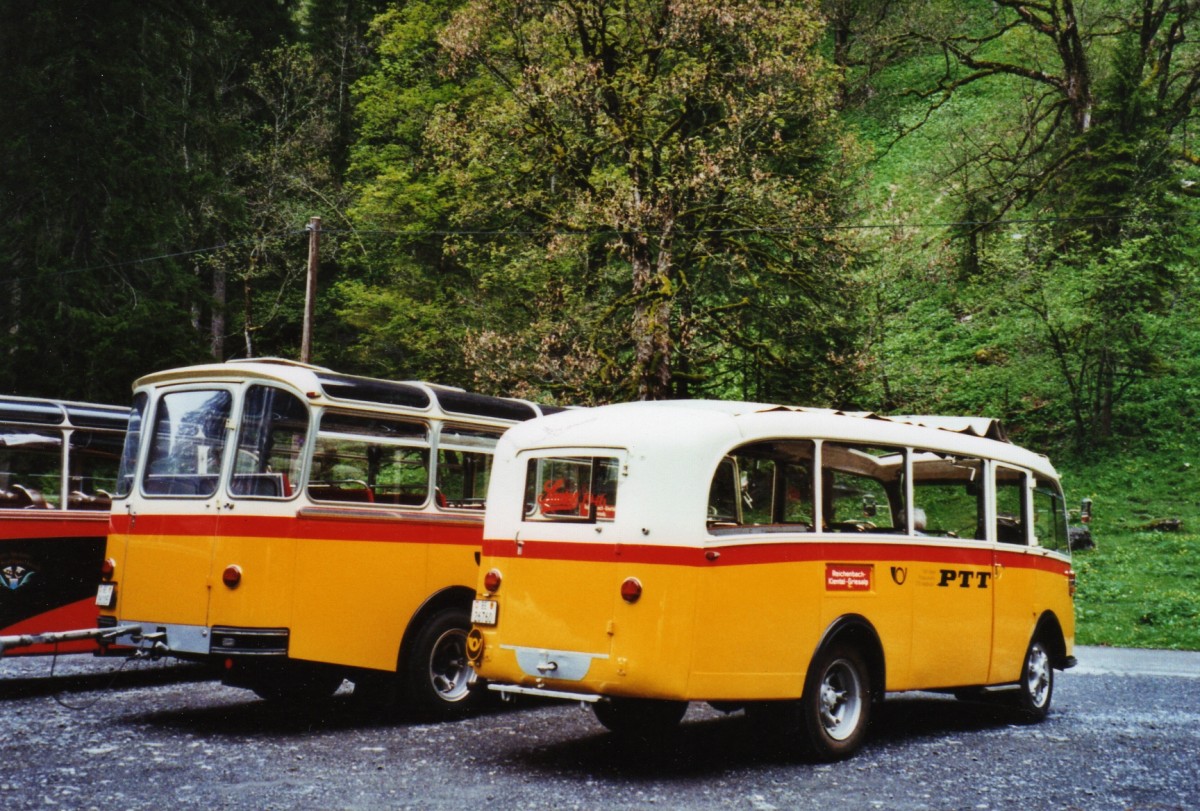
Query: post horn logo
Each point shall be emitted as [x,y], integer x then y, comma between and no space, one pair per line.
[899,575]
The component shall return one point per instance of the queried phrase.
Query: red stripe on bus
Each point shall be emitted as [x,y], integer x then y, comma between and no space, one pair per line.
[51,525]
[383,528]
[758,554]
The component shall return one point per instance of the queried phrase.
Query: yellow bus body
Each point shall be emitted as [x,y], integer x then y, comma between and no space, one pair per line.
[269,569]
[734,611]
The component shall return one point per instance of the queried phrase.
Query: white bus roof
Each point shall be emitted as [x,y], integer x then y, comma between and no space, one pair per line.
[325,387]
[661,426]
[669,451]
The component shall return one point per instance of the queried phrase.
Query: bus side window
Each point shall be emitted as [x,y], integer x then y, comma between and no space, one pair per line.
[464,466]
[1011,521]
[948,493]
[369,460]
[1049,516]
[93,461]
[30,468]
[764,486]
[862,488]
[271,443]
[724,496]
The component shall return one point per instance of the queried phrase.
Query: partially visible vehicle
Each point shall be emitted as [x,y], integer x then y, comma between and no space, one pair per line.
[793,562]
[58,469]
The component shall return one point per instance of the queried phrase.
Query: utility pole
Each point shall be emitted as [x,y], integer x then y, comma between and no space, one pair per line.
[310,294]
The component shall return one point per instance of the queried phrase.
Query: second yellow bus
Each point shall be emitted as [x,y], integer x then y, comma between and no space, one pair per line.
[798,563]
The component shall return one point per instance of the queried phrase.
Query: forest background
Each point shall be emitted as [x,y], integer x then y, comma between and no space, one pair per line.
[903,206]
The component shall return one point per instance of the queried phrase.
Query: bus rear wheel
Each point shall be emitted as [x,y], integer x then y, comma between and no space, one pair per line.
[835,708]
[437,675]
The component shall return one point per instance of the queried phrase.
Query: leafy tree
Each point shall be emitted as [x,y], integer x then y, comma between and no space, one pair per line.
[117,145]
[637,191]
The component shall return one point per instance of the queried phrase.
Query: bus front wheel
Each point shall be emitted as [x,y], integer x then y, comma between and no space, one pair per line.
[835,708]
[438,678]
[1036,687]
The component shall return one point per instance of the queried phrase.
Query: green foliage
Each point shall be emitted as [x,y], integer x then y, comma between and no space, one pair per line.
[1140,588]
[633,228]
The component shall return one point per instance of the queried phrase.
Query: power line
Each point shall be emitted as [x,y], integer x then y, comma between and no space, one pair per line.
[507,232]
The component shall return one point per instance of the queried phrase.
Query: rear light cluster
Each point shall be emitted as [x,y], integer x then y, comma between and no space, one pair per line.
[631,590]
[491,581]
[232,575]
[107,569]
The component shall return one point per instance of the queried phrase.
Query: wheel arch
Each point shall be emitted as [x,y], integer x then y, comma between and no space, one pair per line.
[449,597]
[1050,631]
[858,631]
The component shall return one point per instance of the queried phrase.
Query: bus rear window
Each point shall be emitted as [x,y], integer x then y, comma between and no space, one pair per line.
[575,488]
[187,443]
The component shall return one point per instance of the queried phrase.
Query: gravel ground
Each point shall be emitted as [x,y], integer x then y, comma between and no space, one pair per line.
[155,735]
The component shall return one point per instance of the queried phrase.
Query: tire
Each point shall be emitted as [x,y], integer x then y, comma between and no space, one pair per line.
[640,718]
[437,677]
[1036,687]
[835,709]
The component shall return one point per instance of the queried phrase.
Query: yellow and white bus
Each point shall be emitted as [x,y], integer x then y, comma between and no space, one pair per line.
[794,562]
[298,527]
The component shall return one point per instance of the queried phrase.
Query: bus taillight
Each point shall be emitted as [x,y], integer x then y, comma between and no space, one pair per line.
[232,576]
[631,590]
[107,569]
[491,581]
[1071,582]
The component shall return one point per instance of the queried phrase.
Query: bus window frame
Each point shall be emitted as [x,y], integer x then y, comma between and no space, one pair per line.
[238,418]
[452,427]
[228,433]
[596,456]
[427,445]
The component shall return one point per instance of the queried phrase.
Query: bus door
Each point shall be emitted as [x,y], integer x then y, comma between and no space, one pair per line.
[954,571]
[255,526]
[1013,593]
[171,524]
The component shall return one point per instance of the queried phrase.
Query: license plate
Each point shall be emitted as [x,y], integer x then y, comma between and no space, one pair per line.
[483,612]
[105,594]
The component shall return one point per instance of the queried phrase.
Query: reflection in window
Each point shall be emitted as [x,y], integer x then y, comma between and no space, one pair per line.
[464,467]
[1049,515]
[187,443]
[764,484]
[270,449]
[579,488]
[947,495]
[1011,521]
[133,440]
[369,460]
[862,488]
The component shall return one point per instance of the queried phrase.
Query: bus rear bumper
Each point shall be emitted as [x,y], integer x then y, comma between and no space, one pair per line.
[510,690]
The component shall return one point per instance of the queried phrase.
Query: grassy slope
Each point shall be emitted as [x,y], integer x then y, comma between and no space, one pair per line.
[1139,587]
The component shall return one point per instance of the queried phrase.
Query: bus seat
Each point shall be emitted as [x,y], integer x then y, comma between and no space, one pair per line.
[79,500]
[30,498]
